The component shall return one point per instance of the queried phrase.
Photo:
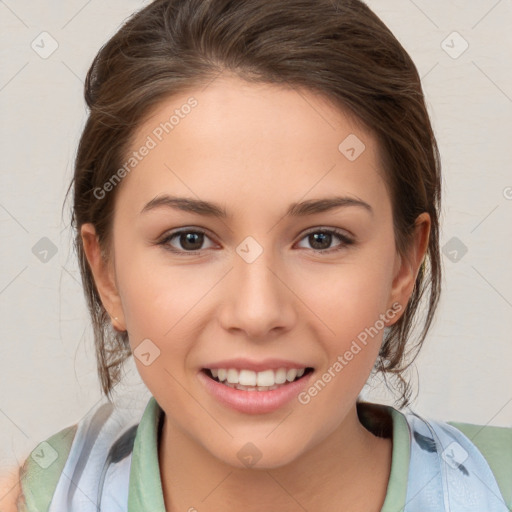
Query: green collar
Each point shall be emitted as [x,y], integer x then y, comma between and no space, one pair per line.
[385,421]
[146,493]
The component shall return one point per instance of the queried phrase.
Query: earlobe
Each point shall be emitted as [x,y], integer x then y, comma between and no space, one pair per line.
[103,274]
[407,266]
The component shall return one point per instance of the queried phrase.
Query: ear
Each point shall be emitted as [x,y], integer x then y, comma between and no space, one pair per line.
[407,266]
[104,276]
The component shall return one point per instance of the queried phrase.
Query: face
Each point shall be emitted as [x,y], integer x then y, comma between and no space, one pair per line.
[287,262]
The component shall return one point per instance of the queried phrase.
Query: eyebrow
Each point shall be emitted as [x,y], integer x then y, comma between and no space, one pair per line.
[213,210]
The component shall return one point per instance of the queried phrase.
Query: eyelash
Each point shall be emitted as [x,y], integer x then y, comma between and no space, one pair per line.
[346,241]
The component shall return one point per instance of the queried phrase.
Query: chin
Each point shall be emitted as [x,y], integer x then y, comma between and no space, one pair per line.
[259,455]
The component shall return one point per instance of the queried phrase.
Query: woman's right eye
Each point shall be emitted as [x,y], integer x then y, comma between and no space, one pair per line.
[184,241]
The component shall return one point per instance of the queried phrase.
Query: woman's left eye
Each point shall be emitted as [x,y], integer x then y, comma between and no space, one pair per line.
[321,239]
[191,241]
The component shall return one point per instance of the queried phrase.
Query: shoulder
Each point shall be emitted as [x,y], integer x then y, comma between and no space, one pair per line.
[492,440]
[28,487]
[103,436]
[495,444]
[39,474]
[485,434]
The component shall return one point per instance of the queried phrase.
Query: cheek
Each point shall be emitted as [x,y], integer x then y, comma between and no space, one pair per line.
[351,308]
[349,297]
[156,301]
[154,296]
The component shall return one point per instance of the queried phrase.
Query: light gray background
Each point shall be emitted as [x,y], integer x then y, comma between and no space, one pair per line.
[47,366]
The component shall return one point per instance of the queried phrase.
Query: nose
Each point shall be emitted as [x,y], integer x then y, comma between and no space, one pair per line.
[260,303]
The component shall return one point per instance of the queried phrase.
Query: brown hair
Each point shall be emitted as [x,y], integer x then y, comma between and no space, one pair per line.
[337,48]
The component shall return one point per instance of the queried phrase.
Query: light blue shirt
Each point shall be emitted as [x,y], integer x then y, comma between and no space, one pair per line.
[112,464]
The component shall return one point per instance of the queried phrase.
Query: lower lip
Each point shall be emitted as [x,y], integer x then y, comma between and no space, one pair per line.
[254,402]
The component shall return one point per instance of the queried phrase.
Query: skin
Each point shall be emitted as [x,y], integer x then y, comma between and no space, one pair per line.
[255,149]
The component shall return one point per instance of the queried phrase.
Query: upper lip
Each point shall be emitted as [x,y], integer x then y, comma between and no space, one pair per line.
[256,366]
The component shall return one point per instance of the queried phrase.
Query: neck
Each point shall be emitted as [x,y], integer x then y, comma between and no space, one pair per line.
[350,468]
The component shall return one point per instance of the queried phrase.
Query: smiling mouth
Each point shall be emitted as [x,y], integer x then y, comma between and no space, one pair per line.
[247,380]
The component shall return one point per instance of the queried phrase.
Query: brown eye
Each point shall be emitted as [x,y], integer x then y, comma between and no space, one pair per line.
[321,240]
[184,241]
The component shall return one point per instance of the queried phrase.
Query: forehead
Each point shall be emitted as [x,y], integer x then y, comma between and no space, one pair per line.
[241,139]
[233,103]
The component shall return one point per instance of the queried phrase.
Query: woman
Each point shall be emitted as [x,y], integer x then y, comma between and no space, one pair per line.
[256,199]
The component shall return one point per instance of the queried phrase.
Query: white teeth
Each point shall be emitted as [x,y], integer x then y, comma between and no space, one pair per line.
[281,376]
[249,380]
[232,376]
[291,374]
[266,378]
